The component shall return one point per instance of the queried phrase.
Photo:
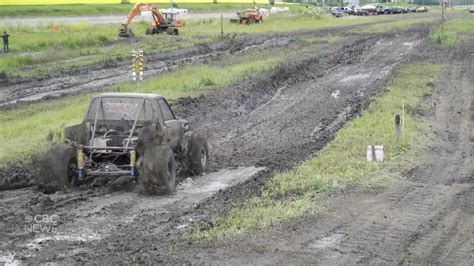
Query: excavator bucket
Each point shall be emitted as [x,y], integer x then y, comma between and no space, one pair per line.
[126,33]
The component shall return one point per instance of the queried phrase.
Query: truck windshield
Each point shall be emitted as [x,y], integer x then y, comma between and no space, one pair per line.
[120,108]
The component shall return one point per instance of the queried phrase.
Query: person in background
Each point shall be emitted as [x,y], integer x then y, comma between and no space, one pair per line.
[5,41]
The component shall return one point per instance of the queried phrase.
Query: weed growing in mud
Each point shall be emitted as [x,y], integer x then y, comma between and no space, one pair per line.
[452,29]
[294,193]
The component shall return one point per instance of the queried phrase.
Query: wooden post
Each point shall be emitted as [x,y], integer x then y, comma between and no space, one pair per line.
[374,158]
[397,126]
[222,26]
[403,118]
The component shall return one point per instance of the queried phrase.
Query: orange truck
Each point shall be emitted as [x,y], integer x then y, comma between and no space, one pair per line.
[250,16]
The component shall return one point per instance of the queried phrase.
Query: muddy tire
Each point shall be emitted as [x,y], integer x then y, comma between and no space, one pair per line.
[198,154]
[157,170]
[58,169]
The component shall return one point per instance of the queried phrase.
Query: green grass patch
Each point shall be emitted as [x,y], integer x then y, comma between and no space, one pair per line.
[294,193]
[450,33]
[298,19]
[25,129]
[63,10]
[51,47]
[398,25]
[58,9]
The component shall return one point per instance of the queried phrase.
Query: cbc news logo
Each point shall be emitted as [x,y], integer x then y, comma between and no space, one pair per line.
[41,223]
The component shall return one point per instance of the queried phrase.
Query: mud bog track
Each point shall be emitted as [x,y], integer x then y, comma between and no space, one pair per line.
[272,122]
[14,91]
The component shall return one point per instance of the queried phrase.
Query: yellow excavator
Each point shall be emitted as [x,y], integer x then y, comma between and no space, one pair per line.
[162,22]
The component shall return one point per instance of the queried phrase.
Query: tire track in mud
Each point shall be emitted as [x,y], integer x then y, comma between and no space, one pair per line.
[246,124]
[98,214]
[425,218]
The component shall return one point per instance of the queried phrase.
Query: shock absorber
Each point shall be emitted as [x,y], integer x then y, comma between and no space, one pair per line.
[80,162]
[133,162]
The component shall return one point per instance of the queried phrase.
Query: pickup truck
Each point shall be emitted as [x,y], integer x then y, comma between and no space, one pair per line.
[126,134]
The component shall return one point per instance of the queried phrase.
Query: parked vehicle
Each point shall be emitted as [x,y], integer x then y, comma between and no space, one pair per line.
[345,9]
[471,10]
[421,9]
[336,11]
[359,12]
[370,9]
[412,9]
[383,9]
[396,10]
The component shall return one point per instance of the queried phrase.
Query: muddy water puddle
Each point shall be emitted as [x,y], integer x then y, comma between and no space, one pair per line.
[99,217]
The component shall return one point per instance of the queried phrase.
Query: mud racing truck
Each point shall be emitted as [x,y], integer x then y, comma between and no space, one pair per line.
[129,134]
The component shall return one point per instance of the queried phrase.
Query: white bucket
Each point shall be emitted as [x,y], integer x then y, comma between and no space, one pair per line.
[379,154]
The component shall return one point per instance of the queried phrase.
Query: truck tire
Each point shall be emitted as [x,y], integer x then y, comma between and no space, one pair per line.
[157,170]
[198,154]
[58,169]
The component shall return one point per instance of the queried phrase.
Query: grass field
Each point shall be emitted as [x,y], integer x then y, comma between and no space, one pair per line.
[296,193]
[44,48]
[38,8]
